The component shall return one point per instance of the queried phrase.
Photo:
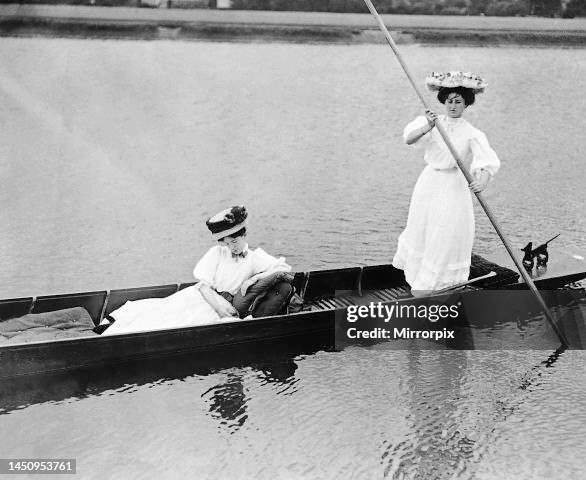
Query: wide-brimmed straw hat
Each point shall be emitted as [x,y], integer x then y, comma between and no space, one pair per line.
[227,222]
[437,80]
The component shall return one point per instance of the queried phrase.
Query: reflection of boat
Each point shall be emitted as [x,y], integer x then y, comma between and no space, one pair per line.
[326,294]
[273,362]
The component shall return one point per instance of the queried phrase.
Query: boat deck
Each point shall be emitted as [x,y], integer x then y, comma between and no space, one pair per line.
[343,300]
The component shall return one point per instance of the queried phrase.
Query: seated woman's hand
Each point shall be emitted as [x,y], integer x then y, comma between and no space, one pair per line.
[227,310]
[245,286]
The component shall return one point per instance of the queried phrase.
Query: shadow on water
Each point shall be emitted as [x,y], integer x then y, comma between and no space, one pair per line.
[274,361]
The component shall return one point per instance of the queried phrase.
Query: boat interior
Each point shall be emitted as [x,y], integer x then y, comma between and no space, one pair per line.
[320,290]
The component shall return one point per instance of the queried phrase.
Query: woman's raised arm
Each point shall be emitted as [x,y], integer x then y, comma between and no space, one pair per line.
[419,127]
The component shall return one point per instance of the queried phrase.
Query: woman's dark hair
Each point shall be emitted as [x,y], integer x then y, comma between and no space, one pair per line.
[239,233]
[466,93]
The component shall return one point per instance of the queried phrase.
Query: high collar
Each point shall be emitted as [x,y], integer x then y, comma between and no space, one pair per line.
[453,121]
[243,254]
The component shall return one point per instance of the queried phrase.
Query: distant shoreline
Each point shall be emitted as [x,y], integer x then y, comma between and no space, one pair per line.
[230,25]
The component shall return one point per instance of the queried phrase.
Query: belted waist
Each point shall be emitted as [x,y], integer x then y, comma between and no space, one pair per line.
[451,169]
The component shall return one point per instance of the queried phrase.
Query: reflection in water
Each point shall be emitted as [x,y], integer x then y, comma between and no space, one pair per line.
[432,450]
[279,372]
[273,362]
[452,426]
[443,410]
[227,401]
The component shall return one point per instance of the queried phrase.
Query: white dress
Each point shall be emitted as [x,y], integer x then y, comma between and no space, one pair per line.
[188,308]
[435,248]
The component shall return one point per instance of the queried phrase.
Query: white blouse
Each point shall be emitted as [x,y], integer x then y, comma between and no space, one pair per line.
[471,144]
[218,269]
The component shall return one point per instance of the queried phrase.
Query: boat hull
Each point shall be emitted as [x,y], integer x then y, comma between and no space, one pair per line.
[61,355]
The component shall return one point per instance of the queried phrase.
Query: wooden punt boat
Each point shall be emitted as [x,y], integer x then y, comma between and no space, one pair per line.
[326,295]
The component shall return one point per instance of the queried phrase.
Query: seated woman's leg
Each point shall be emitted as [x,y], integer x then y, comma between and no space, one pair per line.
[274,300]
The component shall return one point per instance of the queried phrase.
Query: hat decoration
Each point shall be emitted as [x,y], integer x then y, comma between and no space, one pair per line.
[437,80]
[227,222]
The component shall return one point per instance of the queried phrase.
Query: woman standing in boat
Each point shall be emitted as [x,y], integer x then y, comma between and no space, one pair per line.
[224,273]
[435,248]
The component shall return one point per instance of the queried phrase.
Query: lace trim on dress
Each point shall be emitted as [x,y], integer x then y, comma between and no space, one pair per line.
[423,275]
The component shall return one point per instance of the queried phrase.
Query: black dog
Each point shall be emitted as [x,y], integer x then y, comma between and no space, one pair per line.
[540,253]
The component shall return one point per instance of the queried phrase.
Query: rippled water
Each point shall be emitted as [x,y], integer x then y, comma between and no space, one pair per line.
[360,413]
[112,154]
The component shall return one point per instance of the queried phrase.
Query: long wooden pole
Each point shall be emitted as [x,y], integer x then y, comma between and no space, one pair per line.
[470,179]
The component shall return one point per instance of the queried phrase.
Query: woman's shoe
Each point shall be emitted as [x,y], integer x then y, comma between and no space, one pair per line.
[101,328]
[106,322]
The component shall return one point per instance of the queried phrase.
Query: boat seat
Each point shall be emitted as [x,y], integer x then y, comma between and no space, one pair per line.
[92,302]
[15,307]
[325,283]
[376,277]
[117,298]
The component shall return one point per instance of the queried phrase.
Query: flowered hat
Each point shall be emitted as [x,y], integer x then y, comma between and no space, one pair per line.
[227,222]
[437,80]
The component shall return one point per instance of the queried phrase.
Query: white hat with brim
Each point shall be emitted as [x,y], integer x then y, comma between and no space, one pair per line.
[437,80]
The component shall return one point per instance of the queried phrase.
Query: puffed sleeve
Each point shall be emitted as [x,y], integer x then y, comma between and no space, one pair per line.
[263,262]
[205,270]
[417,124]
[483,156]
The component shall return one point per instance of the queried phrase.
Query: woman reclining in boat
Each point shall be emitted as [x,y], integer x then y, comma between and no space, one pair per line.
[232,281]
